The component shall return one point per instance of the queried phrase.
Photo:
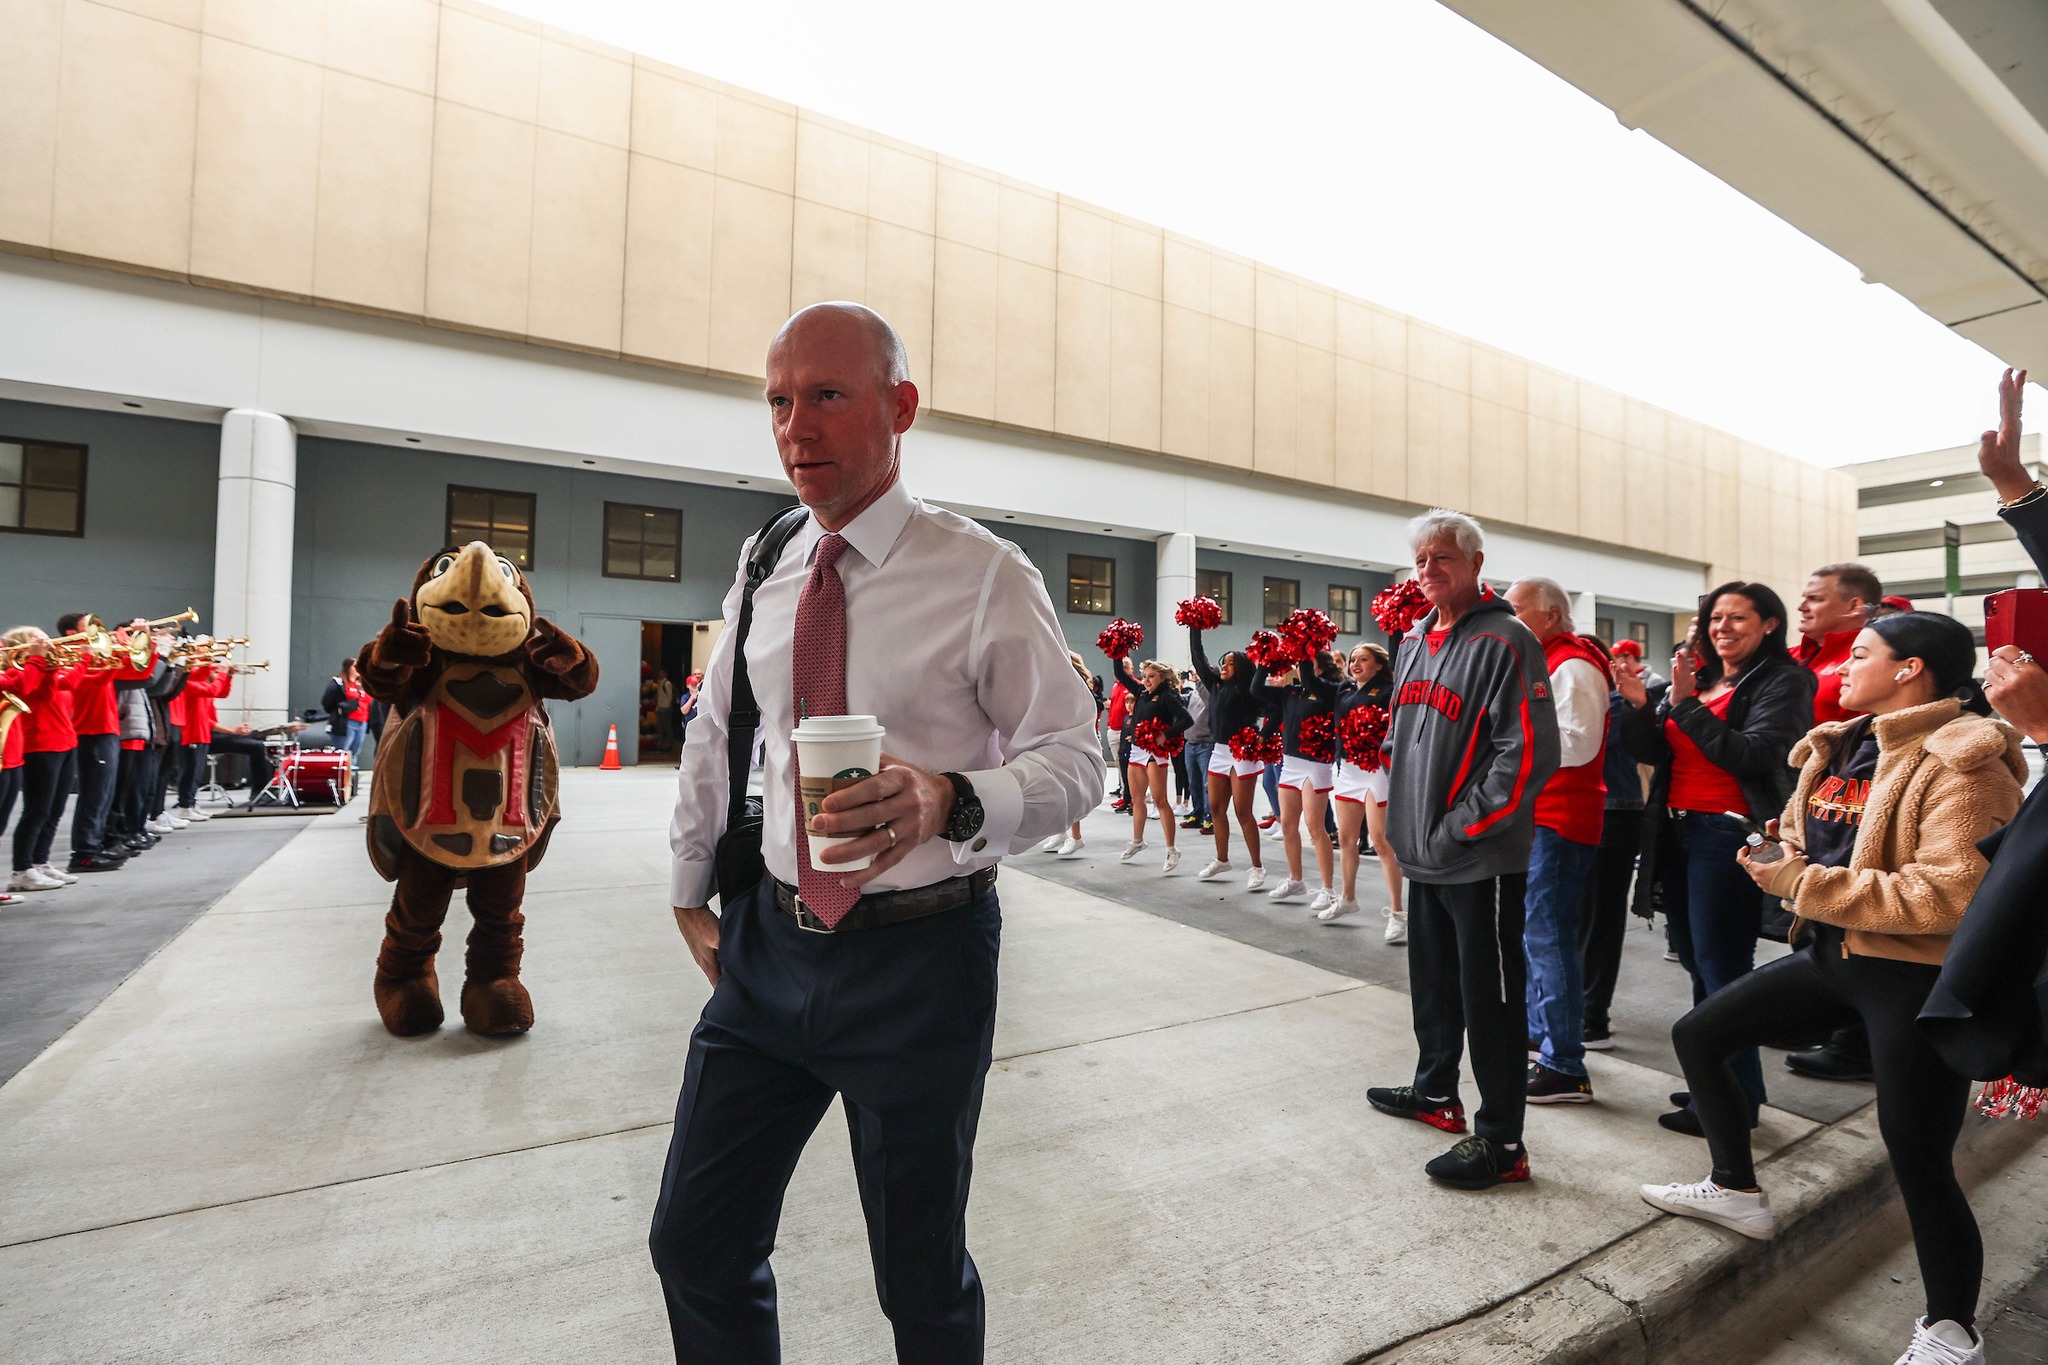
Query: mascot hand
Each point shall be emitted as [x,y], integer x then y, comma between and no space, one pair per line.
[552,650]
[405,643]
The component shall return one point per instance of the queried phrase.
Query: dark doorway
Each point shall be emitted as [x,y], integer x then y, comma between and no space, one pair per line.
[664,669]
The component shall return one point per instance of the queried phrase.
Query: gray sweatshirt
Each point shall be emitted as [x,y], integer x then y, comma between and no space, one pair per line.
[1472,740]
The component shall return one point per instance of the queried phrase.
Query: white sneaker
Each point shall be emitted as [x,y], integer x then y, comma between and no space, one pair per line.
[1214,868]
[53,874]
[163,824]
[28,879]
[1943,1343]
[1337,910]
[1321,901]
[1183,807]
[1070,845]
[1054,844]
[1132,850]
[1290,890]
[1748,1214]
[1172,860]
[1397,927]
[1257,880]
[190,814]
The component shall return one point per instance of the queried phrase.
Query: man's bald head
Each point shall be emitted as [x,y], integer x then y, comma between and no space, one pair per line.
[892,362]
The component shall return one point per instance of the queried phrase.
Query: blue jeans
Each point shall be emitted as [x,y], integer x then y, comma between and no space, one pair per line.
[1196,757]
[1271,782]
[1558,872]
[354,740]
[1715,912]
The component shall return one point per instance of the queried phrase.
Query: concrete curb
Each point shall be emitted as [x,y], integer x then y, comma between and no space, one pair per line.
[1640,1298]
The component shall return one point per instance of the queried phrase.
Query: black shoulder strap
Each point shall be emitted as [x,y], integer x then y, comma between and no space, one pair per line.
[744,716]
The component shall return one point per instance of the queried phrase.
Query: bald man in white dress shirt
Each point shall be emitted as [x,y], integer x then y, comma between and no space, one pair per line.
[879,985]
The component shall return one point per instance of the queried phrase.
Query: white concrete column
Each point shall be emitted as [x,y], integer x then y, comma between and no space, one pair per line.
[1585,610]
[252,558]
[1174,566]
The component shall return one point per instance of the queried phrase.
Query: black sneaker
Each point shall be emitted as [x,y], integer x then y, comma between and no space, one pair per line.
[111,852]
[1554,1087]
[1681,1099]
[1599,1039]
[1688,1122]
[1403,1103]
[1208,827]
[95,862]
[1828,1063]
[1477,1164]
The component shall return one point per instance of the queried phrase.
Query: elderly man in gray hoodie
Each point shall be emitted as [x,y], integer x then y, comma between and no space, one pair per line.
[1472,740]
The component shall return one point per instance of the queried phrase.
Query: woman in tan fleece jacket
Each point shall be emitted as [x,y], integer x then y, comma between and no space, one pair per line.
[1879,860]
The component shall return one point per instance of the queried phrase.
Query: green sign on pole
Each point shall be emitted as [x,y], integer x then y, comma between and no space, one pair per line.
[1952,554]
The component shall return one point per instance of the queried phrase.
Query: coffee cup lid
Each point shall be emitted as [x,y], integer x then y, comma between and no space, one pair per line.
[838,728]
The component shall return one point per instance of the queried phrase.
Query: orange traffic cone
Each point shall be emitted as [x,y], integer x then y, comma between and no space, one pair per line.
[611,752]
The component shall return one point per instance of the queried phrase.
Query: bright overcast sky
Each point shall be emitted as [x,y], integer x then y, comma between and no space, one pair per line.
[1394,151]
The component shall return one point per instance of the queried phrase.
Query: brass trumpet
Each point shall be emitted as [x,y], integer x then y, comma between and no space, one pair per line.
[186,615]
[12,708]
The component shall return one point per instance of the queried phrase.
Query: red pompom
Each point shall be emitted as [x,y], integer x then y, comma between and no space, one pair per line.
[2008,1099]
[1275,748]
[1248,746]
[1362,731]
[1308,633]
[1398,606]
[1151,736]
[1202,613]
[1120,637]
[1269,651]
[1318,737]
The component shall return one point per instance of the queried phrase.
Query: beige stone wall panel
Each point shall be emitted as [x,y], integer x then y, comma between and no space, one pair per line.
[1026,319]
[1685,492]
[583,93]
[1440,358]
[1231,288]
[375,183]
[1184,381]
[831,165]
[1081,345]
[1498,377]
[1139,259]
[1136,355]
[1553,487]
[1232,365]
[1315,416]
[1643,488]
[1274,405]
[966,295]
[1351,424]
[1273,304]
[756,143]
[1390,434]
[1602,486]
[393,41]
[577,292]
[188,14]
[828,256]
[1184,273]
[256,169]
[751,231]
[1389,341]
[667,306]
[1029,227]
[1500,461]
[488,64]
[903,188]
[1602,412]
[901,268]
[1315,316]
[1552,396]
[127,107]
[675,120]
[31,37]
[968,207]
[480,221]
[1087,243]
[288,28]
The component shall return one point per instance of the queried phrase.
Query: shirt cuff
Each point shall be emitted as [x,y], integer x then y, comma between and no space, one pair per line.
[689,883]
[1001,793]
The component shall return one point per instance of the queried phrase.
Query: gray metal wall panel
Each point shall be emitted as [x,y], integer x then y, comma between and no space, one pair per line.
[1247,587]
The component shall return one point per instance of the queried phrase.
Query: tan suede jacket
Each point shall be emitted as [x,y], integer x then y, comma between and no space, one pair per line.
[1944,780]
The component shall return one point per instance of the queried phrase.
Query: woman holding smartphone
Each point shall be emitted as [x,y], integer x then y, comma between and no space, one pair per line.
[1878,859]
[1718,735]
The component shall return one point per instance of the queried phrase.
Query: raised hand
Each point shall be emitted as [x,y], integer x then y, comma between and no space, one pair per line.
[405,642]
[1998,452]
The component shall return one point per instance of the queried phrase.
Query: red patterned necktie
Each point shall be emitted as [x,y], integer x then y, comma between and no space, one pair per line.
[817,666]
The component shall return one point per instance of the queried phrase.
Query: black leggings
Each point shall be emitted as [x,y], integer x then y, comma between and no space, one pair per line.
[45,787]
[1920,1102]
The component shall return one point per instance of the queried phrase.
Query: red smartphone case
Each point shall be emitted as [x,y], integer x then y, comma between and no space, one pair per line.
[2017,616]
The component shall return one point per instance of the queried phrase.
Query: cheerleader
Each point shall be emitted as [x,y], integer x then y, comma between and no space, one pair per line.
[1237,712]
[1307,770]
[1156,698]
[1361,796]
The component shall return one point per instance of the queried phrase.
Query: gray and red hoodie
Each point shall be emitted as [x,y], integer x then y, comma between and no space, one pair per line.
[1472,740]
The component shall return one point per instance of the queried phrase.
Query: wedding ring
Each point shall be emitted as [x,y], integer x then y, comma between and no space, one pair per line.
[892,835]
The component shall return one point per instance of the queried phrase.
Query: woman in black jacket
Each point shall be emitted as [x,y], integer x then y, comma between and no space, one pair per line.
[1156,698]
[1308,695]
[1236,704]
[1719,736]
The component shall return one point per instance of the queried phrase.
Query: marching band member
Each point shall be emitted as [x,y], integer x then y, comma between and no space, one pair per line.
[195,721]
[50,753]
[96,727]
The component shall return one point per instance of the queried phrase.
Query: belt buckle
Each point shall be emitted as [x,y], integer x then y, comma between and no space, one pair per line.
[807,919]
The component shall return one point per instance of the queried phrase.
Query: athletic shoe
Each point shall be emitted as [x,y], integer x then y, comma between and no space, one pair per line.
[1686,1120]
[95,862]
[1323,899]
[1290,890]
[1397,926]
[1828,1063]
[1208,827]
[1256,881]
[1269,821]
[1671,955]
[1943,1343]
[31,879]
[1172,860]
[1337,909]
[1403,1103]
[190,814]
[1478,1163]
[1132,850]
[61,878]
[1545,1086]
[1599,1040]
[6,900]
[1190,822]
[1535,1048]
[1736,1210]
[1681,1099]
[1183,807]
[1054,844]
[1214,868]
[162,825]
[1070,845]
[1119,806]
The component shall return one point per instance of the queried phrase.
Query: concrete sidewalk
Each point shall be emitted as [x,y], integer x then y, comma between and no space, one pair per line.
[229,1160]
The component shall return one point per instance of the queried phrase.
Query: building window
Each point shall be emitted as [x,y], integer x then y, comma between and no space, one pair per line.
[1344,608]
[1091,585]
[642,542]
[1639,631]
[1603,626]
[1283,597]
[42,487]
[1214,583]
[502,520]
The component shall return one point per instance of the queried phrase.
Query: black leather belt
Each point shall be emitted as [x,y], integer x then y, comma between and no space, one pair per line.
[879,909]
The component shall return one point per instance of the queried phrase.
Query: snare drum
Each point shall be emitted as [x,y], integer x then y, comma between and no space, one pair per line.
[321,776]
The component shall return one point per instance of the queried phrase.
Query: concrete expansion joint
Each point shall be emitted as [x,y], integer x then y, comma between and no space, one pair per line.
[1181,1023]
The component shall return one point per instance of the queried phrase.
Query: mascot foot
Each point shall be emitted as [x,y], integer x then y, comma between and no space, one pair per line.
[497,1008]
[409,1007]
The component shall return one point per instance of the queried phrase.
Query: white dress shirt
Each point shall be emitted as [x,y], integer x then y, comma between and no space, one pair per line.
[1579,693]
[952,645]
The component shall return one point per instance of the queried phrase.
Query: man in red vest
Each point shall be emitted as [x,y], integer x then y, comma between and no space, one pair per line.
[1569,811]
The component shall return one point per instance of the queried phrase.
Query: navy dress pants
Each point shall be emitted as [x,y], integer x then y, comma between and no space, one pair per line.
[99,772]
[898,1023]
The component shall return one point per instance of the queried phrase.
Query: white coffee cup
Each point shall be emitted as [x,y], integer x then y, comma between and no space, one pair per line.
[833,753]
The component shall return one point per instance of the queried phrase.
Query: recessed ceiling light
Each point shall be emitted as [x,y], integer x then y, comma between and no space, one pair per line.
[130,403]
[1297,556]
[1009,516]
[1934,483]
[412,440]
[1224,546]
[1109,528]
[739,481]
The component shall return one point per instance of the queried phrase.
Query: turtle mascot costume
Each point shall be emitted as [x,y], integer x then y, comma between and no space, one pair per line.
[466,779]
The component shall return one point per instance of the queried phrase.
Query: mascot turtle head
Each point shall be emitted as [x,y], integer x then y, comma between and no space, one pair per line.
[473,600]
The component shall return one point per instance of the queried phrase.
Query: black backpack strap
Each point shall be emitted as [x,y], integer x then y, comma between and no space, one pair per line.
[744,715]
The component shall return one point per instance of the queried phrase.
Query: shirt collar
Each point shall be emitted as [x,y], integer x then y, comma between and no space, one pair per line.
[876,530]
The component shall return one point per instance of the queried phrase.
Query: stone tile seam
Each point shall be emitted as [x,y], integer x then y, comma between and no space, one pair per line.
[1345,989]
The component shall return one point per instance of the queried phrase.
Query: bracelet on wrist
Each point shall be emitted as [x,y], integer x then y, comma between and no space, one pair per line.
[2032,495]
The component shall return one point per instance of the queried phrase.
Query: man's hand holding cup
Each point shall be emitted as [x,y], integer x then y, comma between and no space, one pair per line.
[887,815]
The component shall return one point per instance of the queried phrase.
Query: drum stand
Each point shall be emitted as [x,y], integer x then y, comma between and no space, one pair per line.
[213,790]
[279,790]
